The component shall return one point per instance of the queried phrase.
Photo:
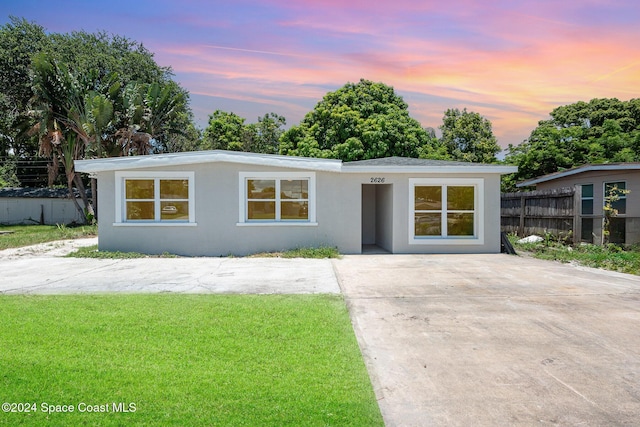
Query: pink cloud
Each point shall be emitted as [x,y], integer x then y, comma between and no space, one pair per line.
[512,64]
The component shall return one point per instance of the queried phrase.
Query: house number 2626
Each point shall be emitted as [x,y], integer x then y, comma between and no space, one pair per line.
[377,180]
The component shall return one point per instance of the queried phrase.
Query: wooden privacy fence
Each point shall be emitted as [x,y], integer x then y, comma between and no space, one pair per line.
[543,211]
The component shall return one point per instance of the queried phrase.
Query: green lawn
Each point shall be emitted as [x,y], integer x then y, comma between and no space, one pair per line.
[183,360]
[25,235]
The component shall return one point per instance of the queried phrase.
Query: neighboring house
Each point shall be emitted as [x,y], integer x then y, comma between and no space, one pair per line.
[592,183]
[38,206]
[216,203]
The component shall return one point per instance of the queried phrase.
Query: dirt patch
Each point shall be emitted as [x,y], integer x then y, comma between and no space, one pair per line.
[56,248]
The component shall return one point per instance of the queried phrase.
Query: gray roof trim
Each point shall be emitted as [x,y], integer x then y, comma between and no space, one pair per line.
[411,165]
[469,168]
[579,169]
[403,161]
[387,165]
[194,157]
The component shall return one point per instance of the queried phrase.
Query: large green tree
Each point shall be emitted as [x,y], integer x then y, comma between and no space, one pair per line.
[598,131]
[468,136]
[19,42]
[190,137]
[228,131]
[125,104]
[225,131]
[266,133]
[359,121]
[61,114]
[77,114]
[105,54]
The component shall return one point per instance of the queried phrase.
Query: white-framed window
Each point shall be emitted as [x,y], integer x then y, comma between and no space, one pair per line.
[446,211]
[277,198]
[155,198]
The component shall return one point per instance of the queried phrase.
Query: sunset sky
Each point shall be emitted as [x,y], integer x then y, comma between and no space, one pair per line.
[511,61]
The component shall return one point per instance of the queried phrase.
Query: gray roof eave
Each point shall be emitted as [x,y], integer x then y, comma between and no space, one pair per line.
[187,158]
[578,170]
[93,166]
[458,169]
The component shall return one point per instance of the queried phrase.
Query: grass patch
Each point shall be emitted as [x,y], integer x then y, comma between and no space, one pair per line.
[196,360]
[26,235]
[318,253]
[609,257]
[93,252]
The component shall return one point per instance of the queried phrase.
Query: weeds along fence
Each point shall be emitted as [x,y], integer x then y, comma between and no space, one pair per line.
[540,212]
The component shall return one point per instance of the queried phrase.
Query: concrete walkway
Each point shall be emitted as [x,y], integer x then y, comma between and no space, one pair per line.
[492,340]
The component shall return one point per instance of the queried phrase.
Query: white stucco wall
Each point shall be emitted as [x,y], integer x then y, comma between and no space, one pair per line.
[339,216]
[399,214]
[217,232]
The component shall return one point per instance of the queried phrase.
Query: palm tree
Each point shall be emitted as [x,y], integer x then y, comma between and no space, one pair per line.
[78,117]
[62,122]
[162,103]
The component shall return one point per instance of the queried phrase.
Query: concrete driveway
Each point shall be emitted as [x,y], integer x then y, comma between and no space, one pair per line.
[488,340]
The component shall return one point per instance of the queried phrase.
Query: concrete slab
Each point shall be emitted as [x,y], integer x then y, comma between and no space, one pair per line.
[41,274]
[489,340]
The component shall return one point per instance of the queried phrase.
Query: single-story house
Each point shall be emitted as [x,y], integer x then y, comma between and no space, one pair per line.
[216,203]
[38,205]
[593,182]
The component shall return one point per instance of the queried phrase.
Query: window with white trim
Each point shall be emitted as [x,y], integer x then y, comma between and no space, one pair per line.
[155,198]
[277,198]
[446,211]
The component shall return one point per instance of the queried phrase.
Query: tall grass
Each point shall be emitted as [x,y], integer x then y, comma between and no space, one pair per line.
[609,257]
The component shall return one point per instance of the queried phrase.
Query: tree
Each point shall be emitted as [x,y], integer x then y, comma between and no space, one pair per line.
[8,177]
[190,137]
[600,131]
[19,42]
[468,136]
[106,55]
[148,117]
[228,131]
[95,58]
[265,135]
[62,116]
[225,131]
[612,196]
[162,103]
[125,103]
[360,121]
[76,116]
